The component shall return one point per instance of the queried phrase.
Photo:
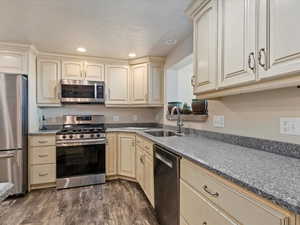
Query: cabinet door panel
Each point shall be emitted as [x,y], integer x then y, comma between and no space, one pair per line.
[94,71]
[126,147]
[72,70]
[149,178]
[139,166]
[155,85]
[237,20]
[139,84]
[205,48]
[12,62]
[111,155]
[279,38]
[49,75]
[117,81]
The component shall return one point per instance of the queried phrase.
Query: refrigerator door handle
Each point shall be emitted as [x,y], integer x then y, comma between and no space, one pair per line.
[7,156]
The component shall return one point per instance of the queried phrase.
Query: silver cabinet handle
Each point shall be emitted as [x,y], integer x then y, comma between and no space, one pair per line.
[43,156]
[205,188]
[204,223]
[7,156]
[193,81]
[262,60]
[250,57]
[43,174]
[43,142]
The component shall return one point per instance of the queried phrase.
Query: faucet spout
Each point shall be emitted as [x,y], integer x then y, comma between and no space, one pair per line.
[179,120]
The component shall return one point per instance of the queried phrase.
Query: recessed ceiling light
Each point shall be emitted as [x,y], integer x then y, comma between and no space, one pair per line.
[81,49]
[132,55]
[171,42]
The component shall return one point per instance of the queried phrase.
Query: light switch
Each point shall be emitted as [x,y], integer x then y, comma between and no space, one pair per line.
[290,125]
[219,121]
[116,118]
[135,117]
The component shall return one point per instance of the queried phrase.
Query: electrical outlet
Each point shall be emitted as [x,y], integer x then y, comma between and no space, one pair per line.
[116,118]
[219,121]
[290,125]
[135,117]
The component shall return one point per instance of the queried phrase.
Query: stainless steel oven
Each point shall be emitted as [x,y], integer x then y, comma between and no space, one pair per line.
[80,152]
[82,91]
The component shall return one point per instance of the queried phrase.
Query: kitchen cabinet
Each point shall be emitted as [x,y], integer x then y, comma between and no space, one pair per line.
[117,85]
[279,46]
[139,84]
[78,69]
[205,48]
[149,177]
[203,191]
[111,154]
[41,161]
[155,84]
[237,42]
[13,62]
[140,168]
[48,81]
[126,155]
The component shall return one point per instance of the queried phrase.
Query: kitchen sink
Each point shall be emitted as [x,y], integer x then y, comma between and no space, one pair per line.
[161,133]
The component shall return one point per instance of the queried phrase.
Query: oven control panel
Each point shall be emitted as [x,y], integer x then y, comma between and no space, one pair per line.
[61,137]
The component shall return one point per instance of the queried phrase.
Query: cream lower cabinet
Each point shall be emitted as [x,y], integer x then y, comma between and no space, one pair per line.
[42,161]
[206,198]
[111,154]
[126,155]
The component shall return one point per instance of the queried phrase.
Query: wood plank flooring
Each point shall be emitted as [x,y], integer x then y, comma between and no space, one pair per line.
[113,203]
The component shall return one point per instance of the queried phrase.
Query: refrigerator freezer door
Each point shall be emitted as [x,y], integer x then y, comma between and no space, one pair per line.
[10,111]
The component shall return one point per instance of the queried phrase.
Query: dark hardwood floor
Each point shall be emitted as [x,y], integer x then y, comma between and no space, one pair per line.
[114,203]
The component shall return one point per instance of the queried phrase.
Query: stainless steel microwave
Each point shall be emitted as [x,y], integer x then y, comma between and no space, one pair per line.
[82,92]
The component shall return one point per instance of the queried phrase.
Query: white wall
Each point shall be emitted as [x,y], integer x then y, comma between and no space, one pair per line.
[185,91]
[254,115]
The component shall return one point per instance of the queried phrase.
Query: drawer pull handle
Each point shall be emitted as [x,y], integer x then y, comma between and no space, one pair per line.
[43,156]
[43,174]
[43,142]
[204,223]
[216,194]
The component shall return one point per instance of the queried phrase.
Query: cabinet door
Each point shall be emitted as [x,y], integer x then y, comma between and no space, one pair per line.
[279,46]
[72,69]
[48,80]
[237,39]
[205,48]
[117,84]
[149,178]
[111,154]
[155,85]
[126,148]
[12,62]
[139,84]
[139,166]
[94,71]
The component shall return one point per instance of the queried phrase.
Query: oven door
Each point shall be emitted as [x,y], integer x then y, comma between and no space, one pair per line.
[79,165]
[76,91]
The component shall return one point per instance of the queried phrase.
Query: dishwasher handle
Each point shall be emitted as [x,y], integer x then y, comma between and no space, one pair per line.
[166,161]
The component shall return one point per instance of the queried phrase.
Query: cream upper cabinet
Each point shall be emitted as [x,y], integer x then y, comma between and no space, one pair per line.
[155,84]
[117,84]
[94,71]
[48,80]
[205,48]
[126,155]
[111,154]
[279,46]
[237,42]
[139,88]
[72,69]
[13,62]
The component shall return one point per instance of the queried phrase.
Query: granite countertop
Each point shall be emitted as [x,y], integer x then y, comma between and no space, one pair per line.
[43,132]
[5,190]
[269,175]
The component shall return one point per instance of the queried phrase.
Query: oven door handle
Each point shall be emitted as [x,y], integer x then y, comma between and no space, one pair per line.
[66,144]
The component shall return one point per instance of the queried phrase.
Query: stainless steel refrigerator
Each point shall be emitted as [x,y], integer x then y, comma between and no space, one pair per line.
[14,130]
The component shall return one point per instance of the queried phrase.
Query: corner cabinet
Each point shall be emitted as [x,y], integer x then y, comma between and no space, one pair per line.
[48,81]
[205,48]
[244,46]
[111,154]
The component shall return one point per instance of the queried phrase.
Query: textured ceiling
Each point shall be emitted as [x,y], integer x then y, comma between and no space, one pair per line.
[108,28]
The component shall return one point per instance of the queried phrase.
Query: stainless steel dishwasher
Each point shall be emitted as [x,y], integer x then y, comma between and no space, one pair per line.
[166,185]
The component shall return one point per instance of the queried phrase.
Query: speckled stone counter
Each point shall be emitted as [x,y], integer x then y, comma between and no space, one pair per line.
[5,190]
[272,176]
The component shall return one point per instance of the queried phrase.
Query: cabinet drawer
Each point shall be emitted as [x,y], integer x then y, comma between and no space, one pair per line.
[139,141]
[43,155]
[196,209]
[41,174]
[43,140]
[243,208]
[148,147]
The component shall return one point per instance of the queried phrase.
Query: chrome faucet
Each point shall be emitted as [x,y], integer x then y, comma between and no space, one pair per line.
[179,120]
